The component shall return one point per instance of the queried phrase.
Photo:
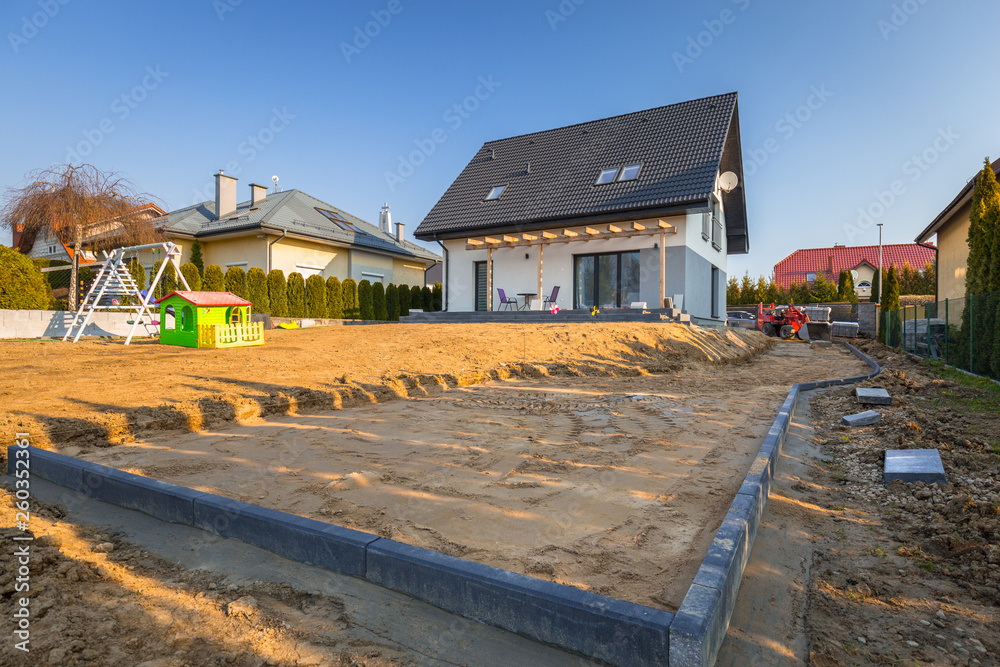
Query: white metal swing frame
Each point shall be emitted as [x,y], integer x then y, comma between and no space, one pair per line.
[115,280]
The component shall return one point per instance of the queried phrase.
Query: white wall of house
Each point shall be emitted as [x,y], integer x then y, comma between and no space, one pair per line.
[516,269]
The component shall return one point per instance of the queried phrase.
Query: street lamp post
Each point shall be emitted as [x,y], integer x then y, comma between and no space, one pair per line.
[880,263]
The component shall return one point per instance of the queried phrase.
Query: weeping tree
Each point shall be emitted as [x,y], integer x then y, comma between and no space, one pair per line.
[83,207]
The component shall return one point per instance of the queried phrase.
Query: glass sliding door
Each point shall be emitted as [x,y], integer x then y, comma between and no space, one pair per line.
[608,280]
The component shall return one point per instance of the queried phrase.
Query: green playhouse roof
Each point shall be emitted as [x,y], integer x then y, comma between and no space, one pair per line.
[208,299]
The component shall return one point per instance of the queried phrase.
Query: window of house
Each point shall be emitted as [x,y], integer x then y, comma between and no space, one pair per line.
[864,284]
[607,176]
[495,193]
[340,221]
[810,277]
[630,172]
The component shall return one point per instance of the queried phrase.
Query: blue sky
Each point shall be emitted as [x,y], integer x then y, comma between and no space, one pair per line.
[882,106]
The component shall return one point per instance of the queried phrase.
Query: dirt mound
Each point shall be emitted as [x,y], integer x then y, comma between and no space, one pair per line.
[103,393]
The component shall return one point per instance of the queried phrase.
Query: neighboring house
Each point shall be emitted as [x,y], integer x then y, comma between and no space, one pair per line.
[47,245]
[951,227]
[620,210]
[294,232]
[862,261]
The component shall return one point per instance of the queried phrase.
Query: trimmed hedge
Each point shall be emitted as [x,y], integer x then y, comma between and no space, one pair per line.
[437,293]
[316,297]
[404,300]
[191,274]
[236,281]
[366,305]
[138,274]
[213,280]
[416,298]
[392,300]
[334,298]
[427,299]
[257,290]
[277,293]
[349,299]
[22,285]
[296,295]
[379,306]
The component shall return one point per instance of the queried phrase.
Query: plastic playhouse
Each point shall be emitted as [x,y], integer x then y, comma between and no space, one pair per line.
[207,319]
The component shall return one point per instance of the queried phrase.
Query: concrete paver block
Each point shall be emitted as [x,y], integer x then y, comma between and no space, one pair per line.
[866,418]
[913,465]
[621,633]
[874,396]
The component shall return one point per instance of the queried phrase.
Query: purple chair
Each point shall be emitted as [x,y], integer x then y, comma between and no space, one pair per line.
[510,302]
[551,299]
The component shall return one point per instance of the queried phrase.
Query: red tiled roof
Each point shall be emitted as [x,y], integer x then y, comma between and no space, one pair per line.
[793,269]
[208,299]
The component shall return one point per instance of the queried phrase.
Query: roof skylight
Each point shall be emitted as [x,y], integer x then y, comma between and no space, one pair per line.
[630,172]
[496,192]
[607,176]
[340,221]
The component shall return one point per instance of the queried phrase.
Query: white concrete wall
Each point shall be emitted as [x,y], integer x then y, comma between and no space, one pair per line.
[515,273]
[54,323]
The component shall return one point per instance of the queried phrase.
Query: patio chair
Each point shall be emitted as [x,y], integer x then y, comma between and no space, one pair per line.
[510,302]
[551,299]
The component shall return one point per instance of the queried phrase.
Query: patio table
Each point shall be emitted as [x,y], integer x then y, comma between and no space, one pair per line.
[528,296]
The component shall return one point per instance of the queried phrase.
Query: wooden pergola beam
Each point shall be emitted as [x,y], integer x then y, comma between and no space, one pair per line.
[660,227]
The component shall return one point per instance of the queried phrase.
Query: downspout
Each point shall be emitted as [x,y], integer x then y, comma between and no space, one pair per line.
[283,232]
[444,274]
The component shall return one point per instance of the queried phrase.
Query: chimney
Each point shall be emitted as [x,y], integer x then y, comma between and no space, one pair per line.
[225,195]
[385,219]
[399,231]
[258,193]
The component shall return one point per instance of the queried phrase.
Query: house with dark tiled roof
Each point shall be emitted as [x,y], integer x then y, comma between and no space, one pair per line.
[951,231]
[294,232]
[614,212]
[802,266]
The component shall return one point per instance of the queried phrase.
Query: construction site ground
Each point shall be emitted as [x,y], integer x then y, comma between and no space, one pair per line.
[428,396]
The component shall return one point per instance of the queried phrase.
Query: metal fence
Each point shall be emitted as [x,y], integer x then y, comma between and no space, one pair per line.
[964,332]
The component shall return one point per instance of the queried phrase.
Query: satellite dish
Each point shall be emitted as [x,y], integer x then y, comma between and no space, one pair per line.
[728,181]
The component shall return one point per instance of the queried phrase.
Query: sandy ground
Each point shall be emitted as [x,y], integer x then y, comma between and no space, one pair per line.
[610,484]
[101,392]
[847,571]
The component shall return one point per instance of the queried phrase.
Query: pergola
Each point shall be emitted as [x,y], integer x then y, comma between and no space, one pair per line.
[544,238]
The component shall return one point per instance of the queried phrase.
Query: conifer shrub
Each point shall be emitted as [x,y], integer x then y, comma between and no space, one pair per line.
[334,298]
[257,292]
[379,306]
[366,306]
[213,280]
[316,297]
[296,295]
[277,293]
